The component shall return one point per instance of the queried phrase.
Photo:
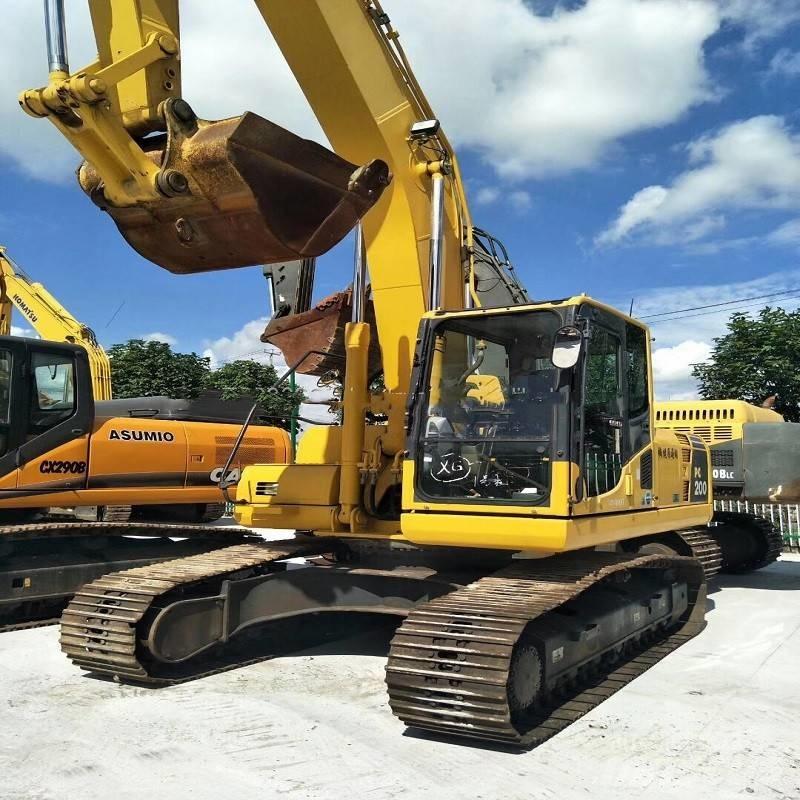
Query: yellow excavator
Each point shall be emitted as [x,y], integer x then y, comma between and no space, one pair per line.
[50,320]
[68,452]
[754,460]
[468,490]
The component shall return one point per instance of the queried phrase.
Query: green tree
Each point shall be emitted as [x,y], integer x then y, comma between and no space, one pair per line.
[249,378]
[145,369]
[756,359]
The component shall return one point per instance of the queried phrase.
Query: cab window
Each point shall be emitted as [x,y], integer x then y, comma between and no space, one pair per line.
[636,366]
[603,413]
[638,395]
[52,391]
[488,431]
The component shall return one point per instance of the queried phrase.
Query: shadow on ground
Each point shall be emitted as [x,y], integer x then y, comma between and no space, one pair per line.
[780,576]
[353,634]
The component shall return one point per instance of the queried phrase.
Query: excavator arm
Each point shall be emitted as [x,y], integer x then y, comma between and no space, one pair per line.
[190,194]
[50,320]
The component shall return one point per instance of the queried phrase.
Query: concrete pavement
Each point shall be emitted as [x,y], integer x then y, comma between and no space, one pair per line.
[718,719]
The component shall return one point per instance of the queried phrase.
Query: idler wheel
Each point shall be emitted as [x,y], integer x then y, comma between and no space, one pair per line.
[524,679]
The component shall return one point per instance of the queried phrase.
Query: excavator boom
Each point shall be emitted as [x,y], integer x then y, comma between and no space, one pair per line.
[50,320]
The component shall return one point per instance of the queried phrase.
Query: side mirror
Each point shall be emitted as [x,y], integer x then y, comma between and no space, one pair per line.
[567,347]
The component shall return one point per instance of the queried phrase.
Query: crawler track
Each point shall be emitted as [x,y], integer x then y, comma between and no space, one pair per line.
[450,663]
[60,530]
[453,661]
[703,547]
[24,626]
[44,563]
[99,628]
[767,540]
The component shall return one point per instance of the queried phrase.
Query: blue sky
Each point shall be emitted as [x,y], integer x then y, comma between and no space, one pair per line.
[632,149]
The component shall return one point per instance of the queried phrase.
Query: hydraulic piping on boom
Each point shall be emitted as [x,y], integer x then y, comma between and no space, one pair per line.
[498,429]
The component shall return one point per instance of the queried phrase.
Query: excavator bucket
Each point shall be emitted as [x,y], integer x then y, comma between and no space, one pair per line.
[239,192]
[313,340]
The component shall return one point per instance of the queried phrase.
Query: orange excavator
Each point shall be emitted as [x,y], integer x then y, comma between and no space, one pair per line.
[85,480]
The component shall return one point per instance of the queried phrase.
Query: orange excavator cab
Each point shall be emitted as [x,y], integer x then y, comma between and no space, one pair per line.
[239,192]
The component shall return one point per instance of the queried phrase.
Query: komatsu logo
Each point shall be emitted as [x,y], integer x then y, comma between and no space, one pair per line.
[142,436]
[25,308]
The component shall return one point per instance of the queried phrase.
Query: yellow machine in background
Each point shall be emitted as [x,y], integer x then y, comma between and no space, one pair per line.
[63,441]
[521,429]
[50,320]
[755,458]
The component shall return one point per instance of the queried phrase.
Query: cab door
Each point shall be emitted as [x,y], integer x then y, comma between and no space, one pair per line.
[13,356]
[57,410]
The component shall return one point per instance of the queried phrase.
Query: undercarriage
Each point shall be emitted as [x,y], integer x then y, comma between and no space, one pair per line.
[43,564]
[510,650]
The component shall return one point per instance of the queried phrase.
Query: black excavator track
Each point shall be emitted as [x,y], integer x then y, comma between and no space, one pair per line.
[466,664]
[702,546]
[452,660]
[697,543]
[102,626]
[43,564]
[747,542]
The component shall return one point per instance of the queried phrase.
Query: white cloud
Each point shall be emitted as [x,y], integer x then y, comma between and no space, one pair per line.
[16,330]
[788,233]
[541,94]
[246,344]
[641,208]
[157,336]
[520,201]
[554,92]
[751,164]
[672,369]
[760,19]
[785,62]
[487,195]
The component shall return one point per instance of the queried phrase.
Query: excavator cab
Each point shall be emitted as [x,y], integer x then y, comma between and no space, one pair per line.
[492,414]
[538,411]
[46,405]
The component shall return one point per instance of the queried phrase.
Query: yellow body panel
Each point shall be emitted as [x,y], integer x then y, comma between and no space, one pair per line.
[544,535]
[712,420]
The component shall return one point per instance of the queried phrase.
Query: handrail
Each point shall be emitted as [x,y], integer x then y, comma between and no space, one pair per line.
[225,483]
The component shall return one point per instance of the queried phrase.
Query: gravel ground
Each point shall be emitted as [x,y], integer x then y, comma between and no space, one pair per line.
[718,719]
